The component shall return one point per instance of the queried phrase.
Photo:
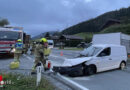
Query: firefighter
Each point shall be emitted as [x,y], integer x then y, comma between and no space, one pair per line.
[25,48]
[39,54]
[47,51]
[18,48]
[33,47]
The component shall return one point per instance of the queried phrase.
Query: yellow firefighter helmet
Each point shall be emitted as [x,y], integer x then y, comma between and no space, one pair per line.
[43,40]
[19,40]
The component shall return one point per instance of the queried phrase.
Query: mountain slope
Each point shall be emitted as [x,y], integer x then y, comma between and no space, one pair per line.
[94,25]
[43,35]
[124,28]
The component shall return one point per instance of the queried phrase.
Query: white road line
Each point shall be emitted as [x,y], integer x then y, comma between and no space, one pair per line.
[82,78]
[31,59]
[28,57]
[55,56]
[74,83]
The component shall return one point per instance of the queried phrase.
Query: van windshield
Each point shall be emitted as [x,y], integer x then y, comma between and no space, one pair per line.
[50,43]
[90,51]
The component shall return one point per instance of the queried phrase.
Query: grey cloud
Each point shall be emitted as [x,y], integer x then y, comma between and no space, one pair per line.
[37,16]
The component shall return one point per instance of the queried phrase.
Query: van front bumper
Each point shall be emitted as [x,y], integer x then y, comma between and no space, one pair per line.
[71,71]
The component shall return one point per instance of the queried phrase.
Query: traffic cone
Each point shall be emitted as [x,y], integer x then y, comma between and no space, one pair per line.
[61,53]
[128,56]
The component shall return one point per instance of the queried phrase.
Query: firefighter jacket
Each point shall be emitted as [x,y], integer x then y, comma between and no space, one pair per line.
[39,50]
[18,47]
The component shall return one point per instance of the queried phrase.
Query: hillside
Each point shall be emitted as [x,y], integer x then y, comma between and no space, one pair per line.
[124,28]
[86,36]
[94,25]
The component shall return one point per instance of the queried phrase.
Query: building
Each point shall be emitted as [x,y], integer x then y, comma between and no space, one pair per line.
[70,40]
[109,23]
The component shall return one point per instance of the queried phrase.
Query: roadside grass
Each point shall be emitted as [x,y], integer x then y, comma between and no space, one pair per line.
[124,28]
[85,35]
[21,82]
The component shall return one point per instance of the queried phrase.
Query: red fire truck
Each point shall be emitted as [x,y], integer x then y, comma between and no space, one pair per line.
[8,37]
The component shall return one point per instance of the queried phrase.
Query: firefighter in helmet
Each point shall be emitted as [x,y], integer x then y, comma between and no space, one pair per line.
[39,54]
[18,48]
[33,48]
[25,49]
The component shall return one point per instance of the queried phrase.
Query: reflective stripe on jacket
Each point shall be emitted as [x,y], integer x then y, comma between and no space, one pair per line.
[18,47]
[47,51]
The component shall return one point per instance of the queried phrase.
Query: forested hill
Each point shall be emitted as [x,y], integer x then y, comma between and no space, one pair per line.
[94,25]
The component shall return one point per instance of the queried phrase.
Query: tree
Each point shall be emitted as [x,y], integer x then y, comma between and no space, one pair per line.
[95,24]
[47,35]
[4,22]
[57,33]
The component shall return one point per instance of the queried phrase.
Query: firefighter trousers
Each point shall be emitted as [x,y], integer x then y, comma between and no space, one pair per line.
[17,56]
[43,61]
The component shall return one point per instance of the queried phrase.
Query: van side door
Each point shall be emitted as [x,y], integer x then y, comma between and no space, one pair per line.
[104,59]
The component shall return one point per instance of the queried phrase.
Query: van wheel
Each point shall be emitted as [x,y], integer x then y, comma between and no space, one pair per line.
[122,65]
[90,70]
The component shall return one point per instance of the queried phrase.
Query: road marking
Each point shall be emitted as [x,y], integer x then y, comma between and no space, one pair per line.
[28,57]
[74,83]
[55,56]
[53,63]
[81,78]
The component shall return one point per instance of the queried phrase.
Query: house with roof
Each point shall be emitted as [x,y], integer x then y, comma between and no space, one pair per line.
[109,23]
[70,40]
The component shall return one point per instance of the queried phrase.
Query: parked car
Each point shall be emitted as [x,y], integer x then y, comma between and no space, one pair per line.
[51,43]
[82,45]
[96,58]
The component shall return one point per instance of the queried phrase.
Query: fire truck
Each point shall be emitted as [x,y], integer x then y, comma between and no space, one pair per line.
[8,37]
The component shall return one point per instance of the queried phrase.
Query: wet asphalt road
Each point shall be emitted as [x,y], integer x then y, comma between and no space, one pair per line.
[110,80]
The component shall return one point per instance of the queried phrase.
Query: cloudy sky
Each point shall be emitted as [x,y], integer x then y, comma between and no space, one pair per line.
[38,16]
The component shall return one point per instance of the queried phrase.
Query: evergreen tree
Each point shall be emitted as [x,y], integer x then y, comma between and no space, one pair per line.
[47,35]
[4,22]
[95,24]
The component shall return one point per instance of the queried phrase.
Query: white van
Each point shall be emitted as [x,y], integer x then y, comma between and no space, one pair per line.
[112,38]
[51,43]
[96,58]
[105,57]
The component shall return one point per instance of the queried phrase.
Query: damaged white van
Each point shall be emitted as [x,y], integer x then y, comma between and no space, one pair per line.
[96,58]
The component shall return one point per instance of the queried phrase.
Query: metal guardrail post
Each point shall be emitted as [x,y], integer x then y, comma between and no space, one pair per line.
[39,69]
